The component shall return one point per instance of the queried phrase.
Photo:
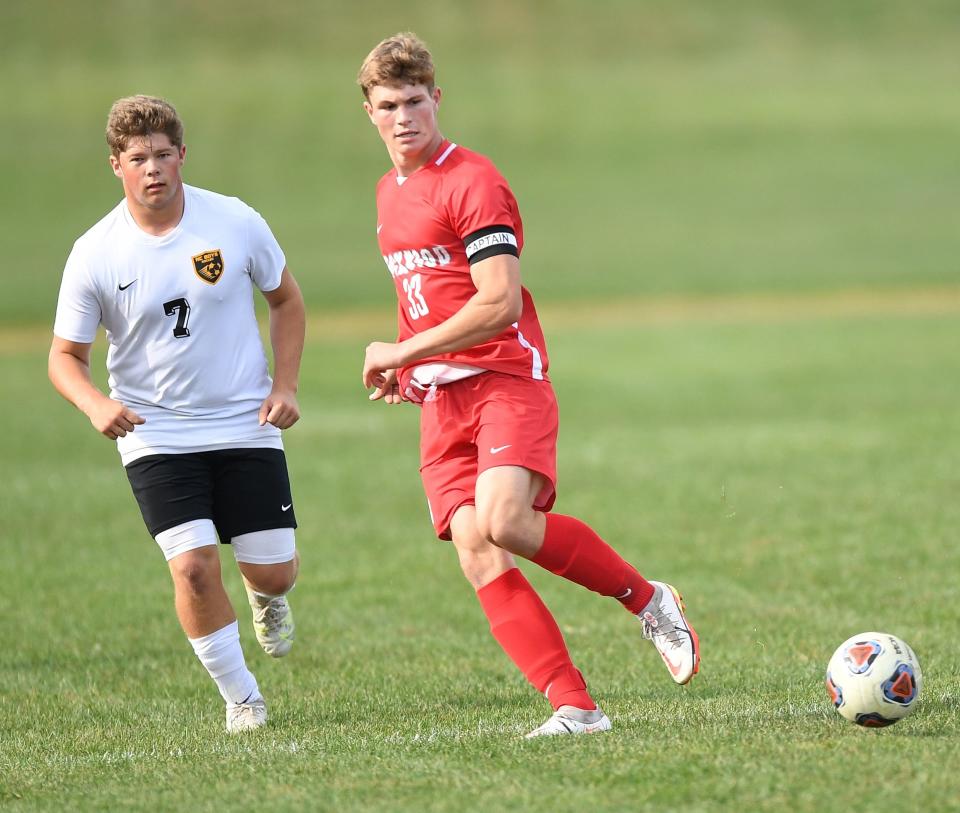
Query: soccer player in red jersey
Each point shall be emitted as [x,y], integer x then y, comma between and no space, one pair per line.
[471,352]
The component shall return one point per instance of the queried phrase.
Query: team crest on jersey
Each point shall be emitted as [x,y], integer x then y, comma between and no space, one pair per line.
[209,265]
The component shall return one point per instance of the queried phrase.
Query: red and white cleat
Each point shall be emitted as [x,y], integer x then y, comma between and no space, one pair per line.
[665,624]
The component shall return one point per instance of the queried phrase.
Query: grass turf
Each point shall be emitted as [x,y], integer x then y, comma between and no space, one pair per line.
[795,477]
[788,459]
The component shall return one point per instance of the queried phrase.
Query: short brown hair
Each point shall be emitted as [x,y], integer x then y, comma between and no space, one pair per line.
[137,116]
[402,59]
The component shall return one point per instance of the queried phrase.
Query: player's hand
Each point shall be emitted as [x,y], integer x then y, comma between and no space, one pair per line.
[112,419]
[387,388]
[380,359]
[280,409]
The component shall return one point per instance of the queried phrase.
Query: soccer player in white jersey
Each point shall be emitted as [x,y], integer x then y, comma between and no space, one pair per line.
[472,353]
[170,274]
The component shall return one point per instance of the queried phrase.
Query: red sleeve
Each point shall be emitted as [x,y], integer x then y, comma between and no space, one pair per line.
[479,197]
[484,213]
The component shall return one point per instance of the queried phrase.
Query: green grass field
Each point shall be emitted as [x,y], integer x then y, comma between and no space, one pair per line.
[796,476]
[742,224]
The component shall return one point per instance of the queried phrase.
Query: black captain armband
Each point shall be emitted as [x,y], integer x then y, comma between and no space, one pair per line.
[489,242]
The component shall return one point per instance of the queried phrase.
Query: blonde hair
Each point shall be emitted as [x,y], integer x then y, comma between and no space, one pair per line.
[137,116]
[402,59]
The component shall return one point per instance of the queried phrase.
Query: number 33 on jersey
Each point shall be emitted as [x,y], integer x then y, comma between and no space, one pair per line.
[433,226]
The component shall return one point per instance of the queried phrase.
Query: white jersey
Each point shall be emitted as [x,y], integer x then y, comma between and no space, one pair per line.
[184,346]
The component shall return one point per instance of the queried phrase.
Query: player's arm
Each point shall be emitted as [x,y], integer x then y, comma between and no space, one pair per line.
[69,369]
[495,306]
[287,329]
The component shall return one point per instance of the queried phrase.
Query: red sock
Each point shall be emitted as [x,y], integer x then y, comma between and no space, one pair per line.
[571,549]
[526,630]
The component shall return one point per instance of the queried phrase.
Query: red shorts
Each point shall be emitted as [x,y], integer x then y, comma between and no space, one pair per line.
[488,420]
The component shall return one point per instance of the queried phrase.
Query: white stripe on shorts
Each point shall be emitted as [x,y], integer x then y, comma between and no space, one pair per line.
[265,547]
[196,533]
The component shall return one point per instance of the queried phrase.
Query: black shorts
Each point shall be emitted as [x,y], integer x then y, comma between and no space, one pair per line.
[241,490]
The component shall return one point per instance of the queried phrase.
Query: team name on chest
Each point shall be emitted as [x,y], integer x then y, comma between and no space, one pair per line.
[400,263]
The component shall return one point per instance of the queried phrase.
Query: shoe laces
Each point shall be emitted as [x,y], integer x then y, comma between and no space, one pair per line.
[663,627]
[272,613]
[244,714]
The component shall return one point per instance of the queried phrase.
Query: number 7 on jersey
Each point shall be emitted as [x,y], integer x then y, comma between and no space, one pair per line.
[181,308]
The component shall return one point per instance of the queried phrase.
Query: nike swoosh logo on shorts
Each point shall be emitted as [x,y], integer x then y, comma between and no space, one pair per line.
[498,449]
[286,507]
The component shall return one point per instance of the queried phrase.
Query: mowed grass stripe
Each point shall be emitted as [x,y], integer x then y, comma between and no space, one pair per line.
[639,311]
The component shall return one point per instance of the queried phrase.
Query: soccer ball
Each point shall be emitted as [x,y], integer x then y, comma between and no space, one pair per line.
[874,679]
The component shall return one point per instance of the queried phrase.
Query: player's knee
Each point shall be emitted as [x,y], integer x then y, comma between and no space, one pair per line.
[276,586]
[501,524]
[478,558]
[271,580]
[197,574]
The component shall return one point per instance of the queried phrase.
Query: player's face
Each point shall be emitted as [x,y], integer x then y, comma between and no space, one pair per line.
[150,170]
[406,118]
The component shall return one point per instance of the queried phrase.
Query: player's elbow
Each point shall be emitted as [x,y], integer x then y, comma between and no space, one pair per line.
[54,363]
[515,311]
[509,310]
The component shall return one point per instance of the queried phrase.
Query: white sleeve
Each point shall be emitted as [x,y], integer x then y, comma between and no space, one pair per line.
[266,257]
[78,308]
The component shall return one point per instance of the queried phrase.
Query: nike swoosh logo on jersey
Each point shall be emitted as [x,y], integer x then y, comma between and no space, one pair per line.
[379,226]
[498,449]
[286,507]
[124,287]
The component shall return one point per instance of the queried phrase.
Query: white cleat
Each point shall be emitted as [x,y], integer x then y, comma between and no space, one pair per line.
[667,627]
[246,716]
[272,622]
[571,720]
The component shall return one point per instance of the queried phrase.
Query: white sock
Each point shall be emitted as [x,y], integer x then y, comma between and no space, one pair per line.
[222,656]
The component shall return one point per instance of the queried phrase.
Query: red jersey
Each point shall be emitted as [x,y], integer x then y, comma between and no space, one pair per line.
[454,211]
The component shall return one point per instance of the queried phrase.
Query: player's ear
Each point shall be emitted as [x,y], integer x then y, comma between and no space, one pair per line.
[436,96]
[183,153]
[369,108]
[116,167]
